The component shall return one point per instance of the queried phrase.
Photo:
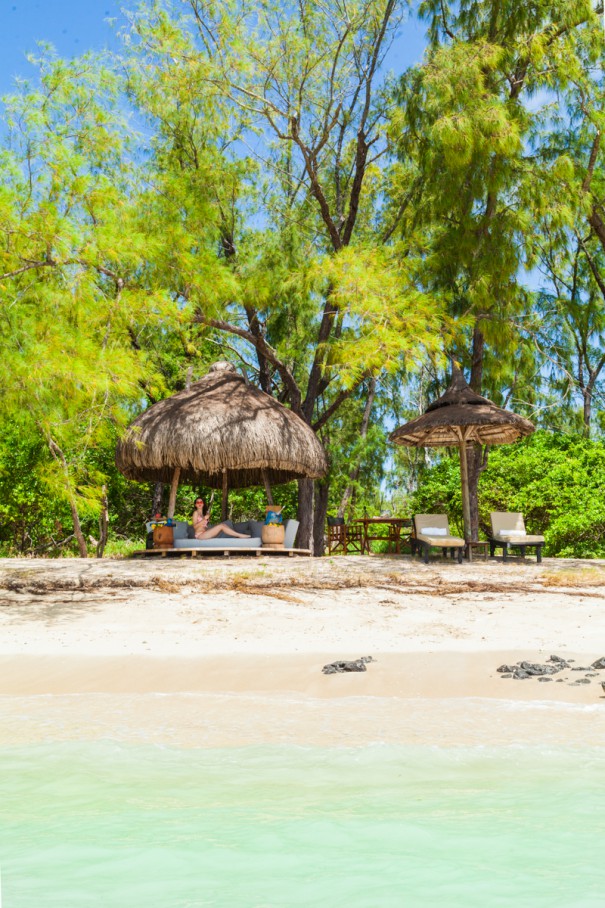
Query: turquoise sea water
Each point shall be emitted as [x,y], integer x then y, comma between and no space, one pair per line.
[128,826]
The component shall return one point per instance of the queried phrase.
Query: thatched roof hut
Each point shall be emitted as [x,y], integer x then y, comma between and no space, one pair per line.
[220,432]
[458,418]
[460,411]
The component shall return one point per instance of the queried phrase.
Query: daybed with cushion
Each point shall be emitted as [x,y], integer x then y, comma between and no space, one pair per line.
[184,537]
[433,531]
[508,531]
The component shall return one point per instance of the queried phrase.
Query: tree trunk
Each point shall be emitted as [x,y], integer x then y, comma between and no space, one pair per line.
[58,454]
[474,452]
[225,497]
[322,491]
[78,529]
[103,524]
[268,490]
[587,411]
[365,422]
[156,501]
[474,460]
[305,513]
[173,490]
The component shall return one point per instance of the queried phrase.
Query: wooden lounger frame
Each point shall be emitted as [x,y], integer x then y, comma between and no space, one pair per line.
[220,550]
[505,546]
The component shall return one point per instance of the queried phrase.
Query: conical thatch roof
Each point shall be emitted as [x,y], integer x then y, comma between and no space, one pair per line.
[220,423]
[460,408]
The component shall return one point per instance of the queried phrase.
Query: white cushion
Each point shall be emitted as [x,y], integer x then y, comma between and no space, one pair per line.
[434,531]
[512,533]
[291,529]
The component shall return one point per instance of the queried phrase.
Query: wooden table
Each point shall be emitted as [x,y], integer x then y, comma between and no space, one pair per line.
[394,534]
[480,546]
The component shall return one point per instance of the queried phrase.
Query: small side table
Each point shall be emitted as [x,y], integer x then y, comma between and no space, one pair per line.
[479,546]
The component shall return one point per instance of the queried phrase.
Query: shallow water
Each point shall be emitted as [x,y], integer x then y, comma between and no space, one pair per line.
[117,825]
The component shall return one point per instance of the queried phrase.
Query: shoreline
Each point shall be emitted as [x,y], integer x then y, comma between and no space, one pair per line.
[227,655]
[403,676]
[452,701]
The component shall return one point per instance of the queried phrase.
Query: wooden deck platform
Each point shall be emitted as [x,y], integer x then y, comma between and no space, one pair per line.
[219,550]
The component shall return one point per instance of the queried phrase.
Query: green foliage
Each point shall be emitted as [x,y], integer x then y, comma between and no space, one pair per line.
[34,516]
[29,517]
[556,481]
[283,204]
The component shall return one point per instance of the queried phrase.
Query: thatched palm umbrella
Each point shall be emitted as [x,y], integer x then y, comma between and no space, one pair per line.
[458,418]
[221,432]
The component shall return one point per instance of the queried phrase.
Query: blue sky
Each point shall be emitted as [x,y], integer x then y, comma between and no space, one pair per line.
[74,26]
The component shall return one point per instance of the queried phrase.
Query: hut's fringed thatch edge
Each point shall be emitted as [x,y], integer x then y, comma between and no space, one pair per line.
[220,423]
[460,408]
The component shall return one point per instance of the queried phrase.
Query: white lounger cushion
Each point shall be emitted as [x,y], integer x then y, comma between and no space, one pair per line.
[453,542]
[434,529]
[525,539]
[509,526]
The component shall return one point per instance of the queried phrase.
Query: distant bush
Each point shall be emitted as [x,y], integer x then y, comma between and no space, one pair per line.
[557,481]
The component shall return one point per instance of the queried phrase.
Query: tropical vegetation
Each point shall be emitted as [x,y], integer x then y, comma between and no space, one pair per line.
[265,183]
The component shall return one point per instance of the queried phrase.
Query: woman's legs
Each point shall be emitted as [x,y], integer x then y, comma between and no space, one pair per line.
[222,528]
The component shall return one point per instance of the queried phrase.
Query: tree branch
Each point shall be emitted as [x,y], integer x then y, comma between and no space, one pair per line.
[337,402]
[261,345]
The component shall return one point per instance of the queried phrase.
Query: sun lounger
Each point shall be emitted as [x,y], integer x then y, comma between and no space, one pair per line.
[433,531]
[508,531]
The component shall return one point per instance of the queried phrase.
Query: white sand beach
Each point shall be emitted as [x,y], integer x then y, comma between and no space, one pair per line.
[220,651]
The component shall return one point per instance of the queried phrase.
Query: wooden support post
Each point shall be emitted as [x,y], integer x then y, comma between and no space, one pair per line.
[466,505]
[225,498]
[173,490]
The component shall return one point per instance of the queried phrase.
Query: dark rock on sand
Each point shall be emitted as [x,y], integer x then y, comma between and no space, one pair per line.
[534,668]
[531,669]
[358,665]
[553,666]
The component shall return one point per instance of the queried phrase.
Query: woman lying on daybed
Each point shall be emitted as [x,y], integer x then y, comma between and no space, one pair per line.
[203,531]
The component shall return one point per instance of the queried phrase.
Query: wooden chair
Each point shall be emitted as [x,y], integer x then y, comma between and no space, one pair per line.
[344,538]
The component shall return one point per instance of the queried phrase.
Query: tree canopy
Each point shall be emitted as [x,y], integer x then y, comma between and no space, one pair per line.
[248,180]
